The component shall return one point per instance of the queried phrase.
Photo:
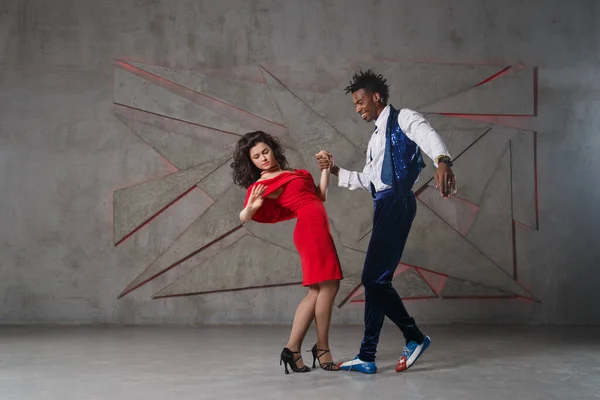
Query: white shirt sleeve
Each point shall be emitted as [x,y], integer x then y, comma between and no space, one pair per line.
[355,180]
[419,131]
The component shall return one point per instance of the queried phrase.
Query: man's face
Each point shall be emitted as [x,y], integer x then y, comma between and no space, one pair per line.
[367,104]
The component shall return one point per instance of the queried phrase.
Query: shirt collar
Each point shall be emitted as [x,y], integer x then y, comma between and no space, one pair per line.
[382,119]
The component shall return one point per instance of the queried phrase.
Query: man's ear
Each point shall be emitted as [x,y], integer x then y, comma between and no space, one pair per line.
[377,97]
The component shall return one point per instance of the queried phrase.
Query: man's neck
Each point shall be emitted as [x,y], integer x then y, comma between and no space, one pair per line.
[380,108]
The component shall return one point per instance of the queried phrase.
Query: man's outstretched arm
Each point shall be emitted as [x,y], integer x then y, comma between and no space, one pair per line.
[349,179]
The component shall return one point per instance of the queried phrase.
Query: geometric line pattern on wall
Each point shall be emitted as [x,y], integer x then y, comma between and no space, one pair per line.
[231,269]
[136,89]
[435,281]
[168,96]
[460,214]
[251,98]
[491,231]
[136,205]
[183,145]
[218,221]
[463,247]
[436,246]
[458,288]
[511,93]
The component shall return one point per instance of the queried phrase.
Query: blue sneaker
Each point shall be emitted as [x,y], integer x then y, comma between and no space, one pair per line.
[411,353]
[356,364]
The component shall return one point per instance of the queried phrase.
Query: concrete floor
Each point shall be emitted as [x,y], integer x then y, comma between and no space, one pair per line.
[464,362]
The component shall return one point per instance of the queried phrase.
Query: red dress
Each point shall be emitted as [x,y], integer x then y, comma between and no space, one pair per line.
[312,235]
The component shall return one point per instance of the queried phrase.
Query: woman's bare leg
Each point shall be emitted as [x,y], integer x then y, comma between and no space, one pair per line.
[305,313]
[323,310]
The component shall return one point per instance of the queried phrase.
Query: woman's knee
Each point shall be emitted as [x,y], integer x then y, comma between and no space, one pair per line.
[313,290]
[330,286]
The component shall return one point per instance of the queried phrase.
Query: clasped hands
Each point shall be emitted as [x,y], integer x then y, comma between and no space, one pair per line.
[324,159]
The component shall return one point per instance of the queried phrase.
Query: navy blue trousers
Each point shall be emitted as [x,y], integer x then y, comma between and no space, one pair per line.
[391,224]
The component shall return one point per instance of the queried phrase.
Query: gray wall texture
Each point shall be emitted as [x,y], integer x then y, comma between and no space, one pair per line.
[110,111]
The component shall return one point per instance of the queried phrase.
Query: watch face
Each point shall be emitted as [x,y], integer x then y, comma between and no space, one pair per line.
[444,159]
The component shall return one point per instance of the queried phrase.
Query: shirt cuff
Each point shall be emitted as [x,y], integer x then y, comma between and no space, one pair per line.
[343,177]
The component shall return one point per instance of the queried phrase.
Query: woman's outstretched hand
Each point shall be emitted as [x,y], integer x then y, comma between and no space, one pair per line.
[256,197]
[255,200]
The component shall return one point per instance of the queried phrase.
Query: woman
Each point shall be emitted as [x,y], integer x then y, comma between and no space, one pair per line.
[276,193]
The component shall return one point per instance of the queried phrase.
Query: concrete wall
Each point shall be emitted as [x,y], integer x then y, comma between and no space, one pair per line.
[65,148]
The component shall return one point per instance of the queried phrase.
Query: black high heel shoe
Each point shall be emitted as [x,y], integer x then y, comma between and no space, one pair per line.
[287,357]
[326,366]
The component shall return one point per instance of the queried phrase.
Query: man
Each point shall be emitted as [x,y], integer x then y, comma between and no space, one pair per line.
[393,164]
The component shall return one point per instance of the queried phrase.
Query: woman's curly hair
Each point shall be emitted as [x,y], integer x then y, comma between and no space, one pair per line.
[245,173]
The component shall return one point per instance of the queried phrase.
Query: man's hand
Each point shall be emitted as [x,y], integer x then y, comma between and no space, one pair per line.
[444,180]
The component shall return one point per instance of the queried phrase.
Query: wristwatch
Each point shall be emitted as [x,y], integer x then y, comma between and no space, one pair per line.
[444,159]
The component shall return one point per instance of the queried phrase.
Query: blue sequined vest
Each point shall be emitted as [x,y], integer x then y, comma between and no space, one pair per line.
[407,161]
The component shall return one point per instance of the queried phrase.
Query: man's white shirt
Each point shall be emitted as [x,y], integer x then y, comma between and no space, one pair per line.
[414,126]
